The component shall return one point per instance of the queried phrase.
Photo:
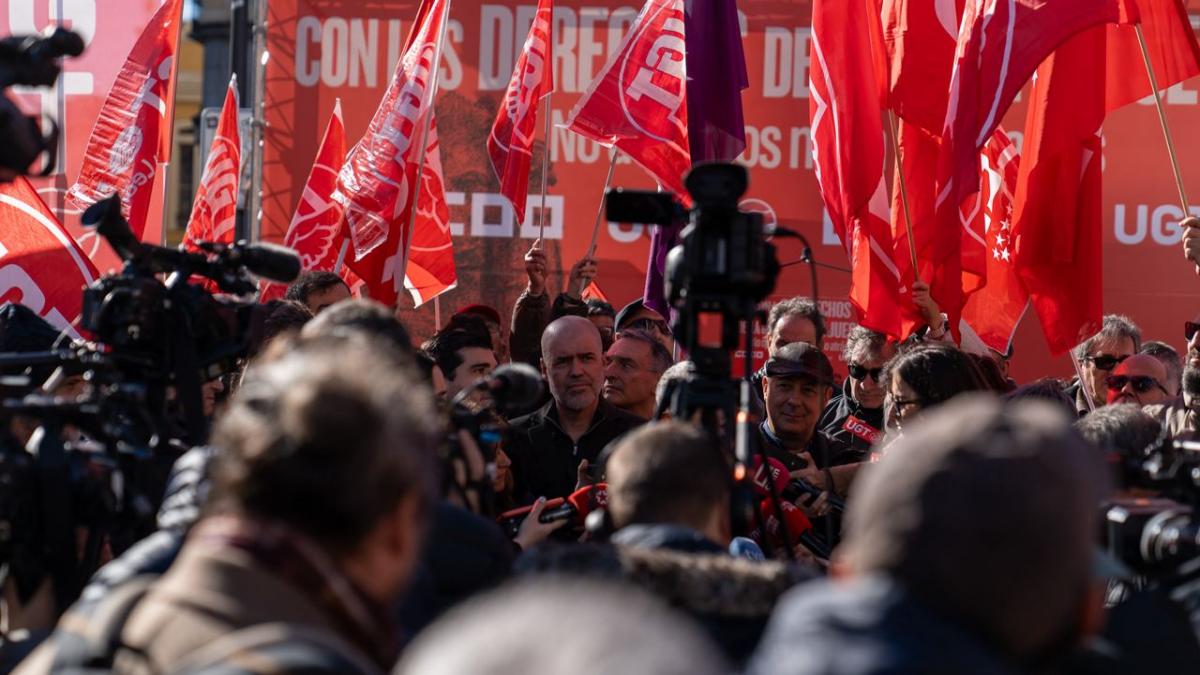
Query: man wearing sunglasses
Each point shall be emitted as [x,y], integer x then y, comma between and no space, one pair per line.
[1182,419]
[1118,339]
[855,415]
[637,316]
[1139,380]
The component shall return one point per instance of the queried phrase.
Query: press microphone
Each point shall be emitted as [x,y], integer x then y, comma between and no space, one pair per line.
[515,388]
[574,507]
[268,261]
[799,527]
[774,475]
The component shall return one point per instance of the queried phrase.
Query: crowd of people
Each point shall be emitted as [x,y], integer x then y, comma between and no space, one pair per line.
[925,515]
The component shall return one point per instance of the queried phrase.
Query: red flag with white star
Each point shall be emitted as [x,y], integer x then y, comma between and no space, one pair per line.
[995,310]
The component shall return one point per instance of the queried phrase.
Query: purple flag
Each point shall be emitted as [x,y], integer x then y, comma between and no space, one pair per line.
[716,69]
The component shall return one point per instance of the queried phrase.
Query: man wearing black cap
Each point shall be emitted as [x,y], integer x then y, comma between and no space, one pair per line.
[797,384]
[636,315]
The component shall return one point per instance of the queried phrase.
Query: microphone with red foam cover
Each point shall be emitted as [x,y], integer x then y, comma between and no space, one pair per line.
[574,507]
[774,474]
[799,527]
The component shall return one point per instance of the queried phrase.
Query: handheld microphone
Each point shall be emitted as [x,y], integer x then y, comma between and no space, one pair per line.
[798,525]
[772,476]
[574,508]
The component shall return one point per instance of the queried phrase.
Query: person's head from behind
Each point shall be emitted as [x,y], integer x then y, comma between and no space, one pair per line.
[1118,339]
[317,290]
[464,354]
[794,320]
[987,514]
[330,438]
[797,385]
[573,363]
[633,365]
[865,354]
[1129,434]
[1139,380]
[360,318]
[925,377]
[672,379]
[598,629]
[489,319]
[670,473]
[604,317]
[1171,360]
[1047,389]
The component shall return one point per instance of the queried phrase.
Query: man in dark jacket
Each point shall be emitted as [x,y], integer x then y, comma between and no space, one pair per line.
[969,549]
[551,447]
[669,491]
[854,416]
[796,387]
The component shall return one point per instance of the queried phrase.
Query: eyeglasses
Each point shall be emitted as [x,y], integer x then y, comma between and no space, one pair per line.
[1189,329]
[1141,383]
[860,373]
[899,405]
[647,323]
[1105,362]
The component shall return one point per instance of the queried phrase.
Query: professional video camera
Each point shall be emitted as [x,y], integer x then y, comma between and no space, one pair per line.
[1159,536]
[716,279]
[31,61]
[98,462]
[479,411]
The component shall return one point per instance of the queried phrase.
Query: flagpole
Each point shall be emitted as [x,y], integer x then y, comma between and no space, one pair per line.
[1162,118]
[1087,396]
[912,244]
[166,169]
[600,213]
[437,70]
[545,168]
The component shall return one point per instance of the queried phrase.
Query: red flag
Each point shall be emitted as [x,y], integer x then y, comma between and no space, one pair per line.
[920,37]
[214,213]
[1174,53]
[376,184]
[430,270]
[510,144]
[1059,219]
[1000,44]
[133,131]
[848,141]
[317,231]
[994,311]
[638,102]
[41,266]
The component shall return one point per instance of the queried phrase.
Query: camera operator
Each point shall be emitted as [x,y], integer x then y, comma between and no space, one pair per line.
[969,549]
[320,494]
[669,493]
[797,385]
[552,447]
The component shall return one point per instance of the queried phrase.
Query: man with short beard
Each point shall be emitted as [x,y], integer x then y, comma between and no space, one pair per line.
[552,447]
[1181,419]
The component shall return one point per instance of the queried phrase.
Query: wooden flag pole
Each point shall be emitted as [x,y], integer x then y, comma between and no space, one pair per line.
[545,169]
[600,211]
[1162,119]
[908,227]
[437,69]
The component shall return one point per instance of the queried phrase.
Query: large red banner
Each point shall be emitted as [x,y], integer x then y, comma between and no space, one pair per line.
[109,29]
[324,49]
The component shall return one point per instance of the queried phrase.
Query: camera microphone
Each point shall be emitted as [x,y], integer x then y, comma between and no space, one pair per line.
[269,261]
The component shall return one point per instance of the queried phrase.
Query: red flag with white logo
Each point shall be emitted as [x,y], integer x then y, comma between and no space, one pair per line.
[848,146]
[430,269]
[377,183]
[41,266]
[1000,44]
[214,212]
[510,144]
[132,134]
[317,231]
[638,102]
[995,310]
